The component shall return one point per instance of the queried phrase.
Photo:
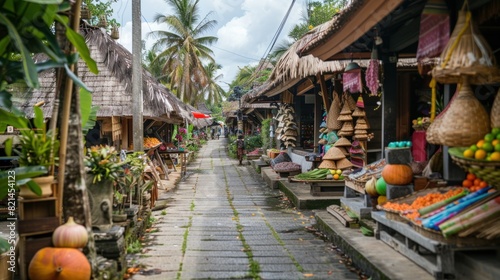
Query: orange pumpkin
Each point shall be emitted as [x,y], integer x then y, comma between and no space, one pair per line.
[397,174]
[59,264]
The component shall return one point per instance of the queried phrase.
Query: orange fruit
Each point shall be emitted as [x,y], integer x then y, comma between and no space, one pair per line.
[471,177]
[495,156]
[495,142]
[480,154]
[469,153]
[480,143]
[483,184]
[336,176]
[466,183]
[477,182]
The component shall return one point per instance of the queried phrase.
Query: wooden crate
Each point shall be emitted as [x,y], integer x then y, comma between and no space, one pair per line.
[327,188]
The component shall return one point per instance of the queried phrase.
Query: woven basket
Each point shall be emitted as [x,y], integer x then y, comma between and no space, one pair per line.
[465,122]
[488,171]
[467,53]
[495,111]
[350,101]
[332,121]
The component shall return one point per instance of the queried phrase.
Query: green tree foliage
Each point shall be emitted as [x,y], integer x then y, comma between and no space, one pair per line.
[213,92]
[99,9]
[184,46]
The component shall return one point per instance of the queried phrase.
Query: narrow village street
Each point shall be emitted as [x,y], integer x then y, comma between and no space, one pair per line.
[223,222]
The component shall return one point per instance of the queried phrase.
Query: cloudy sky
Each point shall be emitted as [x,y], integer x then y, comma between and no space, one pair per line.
[245,28]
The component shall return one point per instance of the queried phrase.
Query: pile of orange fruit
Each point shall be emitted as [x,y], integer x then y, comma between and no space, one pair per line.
[150,142]
[487,148]
[473,183]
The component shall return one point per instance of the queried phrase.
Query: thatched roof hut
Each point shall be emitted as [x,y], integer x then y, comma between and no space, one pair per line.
[112,86]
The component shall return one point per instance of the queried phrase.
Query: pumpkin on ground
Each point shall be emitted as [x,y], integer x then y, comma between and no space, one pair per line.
[70,235]
[397,174]
[59,264]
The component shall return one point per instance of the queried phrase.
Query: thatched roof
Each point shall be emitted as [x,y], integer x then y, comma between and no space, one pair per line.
[292,69]
[345,27]
[112,86]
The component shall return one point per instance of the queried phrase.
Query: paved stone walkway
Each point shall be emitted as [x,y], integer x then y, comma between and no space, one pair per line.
[223,222]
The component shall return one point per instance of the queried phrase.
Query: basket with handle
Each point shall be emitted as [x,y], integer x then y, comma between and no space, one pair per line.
[466,121]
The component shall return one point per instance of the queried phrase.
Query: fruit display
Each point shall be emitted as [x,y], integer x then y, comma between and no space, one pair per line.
[487,148]
[336,174]
[397,174]
[150,142]
[421,123]
[256,152]
[472,183]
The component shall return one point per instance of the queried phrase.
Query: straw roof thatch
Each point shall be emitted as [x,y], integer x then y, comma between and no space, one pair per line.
[112,86]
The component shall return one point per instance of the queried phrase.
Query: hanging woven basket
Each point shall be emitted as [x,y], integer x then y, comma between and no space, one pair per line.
[466,120]
[466,54]
[332,121]
[495,111]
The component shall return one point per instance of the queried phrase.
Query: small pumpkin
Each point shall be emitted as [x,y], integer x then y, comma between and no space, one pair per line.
[397,174]
[59,264]
[370,186]
[70,235]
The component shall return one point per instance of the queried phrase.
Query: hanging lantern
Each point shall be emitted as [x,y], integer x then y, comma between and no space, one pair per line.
[115,33]
[103,22]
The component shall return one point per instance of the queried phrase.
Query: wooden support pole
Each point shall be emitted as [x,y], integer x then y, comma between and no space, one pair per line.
[324,91]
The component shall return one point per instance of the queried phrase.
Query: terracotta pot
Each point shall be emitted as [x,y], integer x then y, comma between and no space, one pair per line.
[45,184]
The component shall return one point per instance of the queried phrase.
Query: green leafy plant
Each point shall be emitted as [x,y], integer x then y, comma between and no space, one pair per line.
[253,142]
[103,163]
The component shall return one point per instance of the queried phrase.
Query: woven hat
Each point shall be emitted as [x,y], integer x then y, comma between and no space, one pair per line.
[291,132]
[334,153]
[343,118]
[343,164]
[322,142]
[347,127]
[345,109]
[360,103]
[359,112]
[279,130]
[361,136]
[360,131]
[344,150]
[328,164]
[342,142]
[350,101]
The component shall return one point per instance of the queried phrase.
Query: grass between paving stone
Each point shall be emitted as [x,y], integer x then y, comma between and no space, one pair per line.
[185,238]
[254,266]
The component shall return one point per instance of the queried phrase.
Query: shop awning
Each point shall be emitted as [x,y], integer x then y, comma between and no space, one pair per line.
[199,115]
[345,27]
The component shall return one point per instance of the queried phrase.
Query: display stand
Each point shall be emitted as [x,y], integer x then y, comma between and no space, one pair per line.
[436,257]
[182,155]
[37,221]
[324,187]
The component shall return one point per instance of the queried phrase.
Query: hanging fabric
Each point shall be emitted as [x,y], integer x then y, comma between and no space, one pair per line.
[371,76]
[352,81]
[434,31]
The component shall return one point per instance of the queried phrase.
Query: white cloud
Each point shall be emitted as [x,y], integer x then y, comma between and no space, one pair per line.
[245,28]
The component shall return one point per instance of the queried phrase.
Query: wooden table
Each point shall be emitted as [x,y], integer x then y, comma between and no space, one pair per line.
[327,187]
[182,156]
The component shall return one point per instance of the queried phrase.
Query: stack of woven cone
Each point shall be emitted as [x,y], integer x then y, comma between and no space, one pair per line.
[287,128]
[336,156]
[360,132]
[346,118]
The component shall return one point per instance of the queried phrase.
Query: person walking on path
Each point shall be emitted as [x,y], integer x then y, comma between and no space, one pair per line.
[240,146]
[222,221]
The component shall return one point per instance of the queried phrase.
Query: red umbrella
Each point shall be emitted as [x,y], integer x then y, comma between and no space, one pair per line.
[199,115]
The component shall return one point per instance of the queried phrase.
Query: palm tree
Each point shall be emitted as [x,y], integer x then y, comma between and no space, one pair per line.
[184,48]
[213,92]
[155,66]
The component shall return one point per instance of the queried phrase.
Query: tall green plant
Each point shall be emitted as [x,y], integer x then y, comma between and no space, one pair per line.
[264,129]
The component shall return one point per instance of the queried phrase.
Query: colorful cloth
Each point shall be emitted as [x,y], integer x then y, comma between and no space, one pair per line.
[434,29]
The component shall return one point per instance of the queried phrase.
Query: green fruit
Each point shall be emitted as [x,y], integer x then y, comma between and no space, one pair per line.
[381,186]
[473,147]
[497,148]
[498,136]
[489,137]
[392,145]
[495,131]
[488,147]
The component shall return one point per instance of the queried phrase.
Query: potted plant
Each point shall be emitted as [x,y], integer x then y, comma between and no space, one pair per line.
[37,150]
[104,169]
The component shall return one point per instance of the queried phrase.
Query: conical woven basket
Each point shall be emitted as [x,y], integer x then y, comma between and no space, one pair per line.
[359,112]
[342,142]
[344,150]
[350,101]
[328,164]
[343,163]
[432,132]
[345,109]
[334,153]
[466,120]
[467,53]
[495,111]
[332,121]
[343,118]
[347,127]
